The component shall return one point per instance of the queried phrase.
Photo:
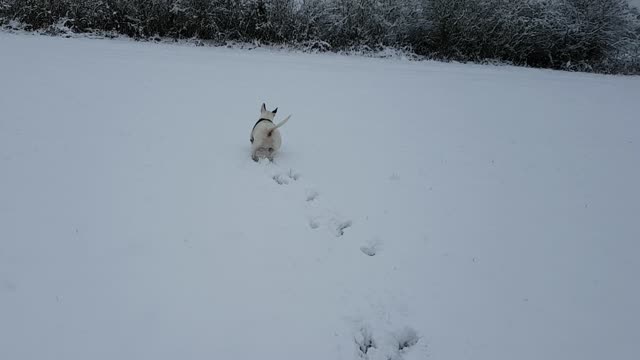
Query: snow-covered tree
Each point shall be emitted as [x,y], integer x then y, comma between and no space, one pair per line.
[598,35]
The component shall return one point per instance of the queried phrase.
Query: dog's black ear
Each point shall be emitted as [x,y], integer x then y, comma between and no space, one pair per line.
[263,108]
[275,111]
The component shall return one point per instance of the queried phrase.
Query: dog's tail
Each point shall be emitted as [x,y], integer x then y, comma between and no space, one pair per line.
[279,124]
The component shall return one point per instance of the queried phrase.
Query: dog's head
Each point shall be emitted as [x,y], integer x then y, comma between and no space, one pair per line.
[266,114]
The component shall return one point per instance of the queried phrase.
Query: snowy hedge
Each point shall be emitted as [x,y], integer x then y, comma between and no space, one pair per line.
[587,35]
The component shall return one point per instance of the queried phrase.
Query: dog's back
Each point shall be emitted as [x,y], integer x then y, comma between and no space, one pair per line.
[265,136]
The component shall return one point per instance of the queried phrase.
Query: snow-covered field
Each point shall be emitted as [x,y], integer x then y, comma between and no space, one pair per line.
[416,211]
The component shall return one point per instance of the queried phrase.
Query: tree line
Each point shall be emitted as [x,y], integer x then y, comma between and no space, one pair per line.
[585,35]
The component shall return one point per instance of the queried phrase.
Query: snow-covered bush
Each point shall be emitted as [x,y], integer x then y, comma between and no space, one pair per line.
[587,35]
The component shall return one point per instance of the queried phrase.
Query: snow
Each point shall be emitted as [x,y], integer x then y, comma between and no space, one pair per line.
[416,210]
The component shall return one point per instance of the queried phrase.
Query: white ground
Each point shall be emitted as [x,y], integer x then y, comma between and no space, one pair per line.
[501,207]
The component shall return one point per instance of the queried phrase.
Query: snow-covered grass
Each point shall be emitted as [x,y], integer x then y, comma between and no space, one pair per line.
[417,210]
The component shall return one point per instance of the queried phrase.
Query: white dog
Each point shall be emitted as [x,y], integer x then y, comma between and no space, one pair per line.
[265,137]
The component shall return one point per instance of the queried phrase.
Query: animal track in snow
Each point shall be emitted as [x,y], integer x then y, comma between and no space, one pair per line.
[335,226]
[391,346]
[368,250]
[371,248]
[286,178]
[364,341]
[281,180]
[311,195]
[341,226]
[406,338]
[293,175]
[313,223]
[318,214]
